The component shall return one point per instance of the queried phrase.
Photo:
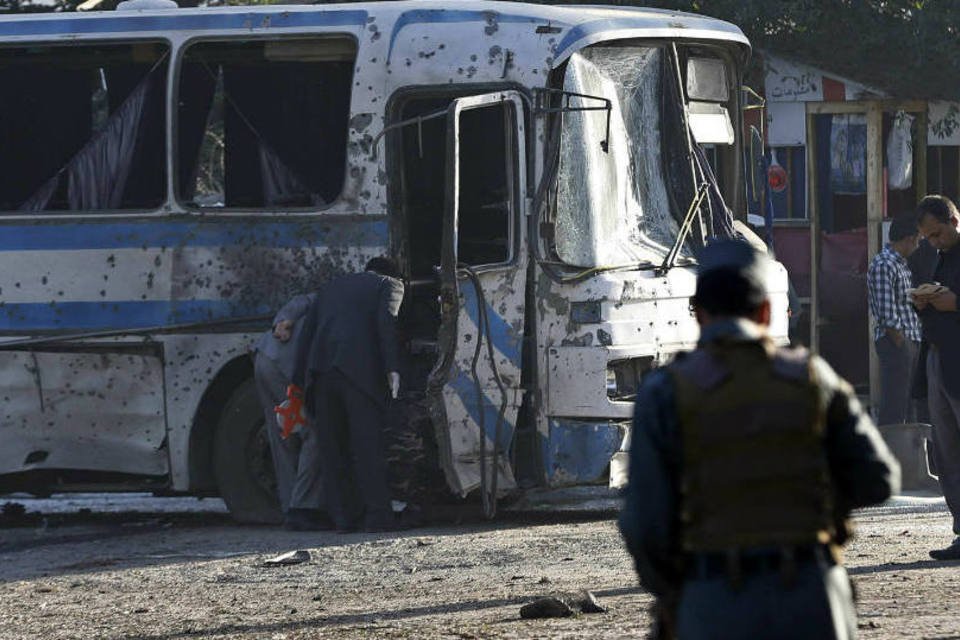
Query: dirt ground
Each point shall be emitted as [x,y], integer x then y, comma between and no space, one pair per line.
[201,577]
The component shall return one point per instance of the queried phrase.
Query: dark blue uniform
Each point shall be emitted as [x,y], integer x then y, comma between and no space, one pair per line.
[759,592]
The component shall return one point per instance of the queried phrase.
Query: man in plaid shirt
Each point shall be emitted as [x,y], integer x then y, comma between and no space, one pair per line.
[896,325]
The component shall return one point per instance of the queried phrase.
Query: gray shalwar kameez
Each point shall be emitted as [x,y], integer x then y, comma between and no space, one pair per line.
[296,460]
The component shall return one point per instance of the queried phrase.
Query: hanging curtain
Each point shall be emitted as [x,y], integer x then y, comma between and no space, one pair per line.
[97,174]
[281,186]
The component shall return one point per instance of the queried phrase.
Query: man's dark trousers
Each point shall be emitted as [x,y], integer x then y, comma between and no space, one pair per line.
[349,423]
[897,366]
[945,412]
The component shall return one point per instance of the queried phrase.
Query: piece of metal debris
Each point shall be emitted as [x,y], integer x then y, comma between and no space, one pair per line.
[547,607]
[13,510]
[562,606]
[587,603]
[291,557]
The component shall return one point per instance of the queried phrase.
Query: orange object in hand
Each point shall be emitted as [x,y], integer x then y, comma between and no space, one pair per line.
[290,412]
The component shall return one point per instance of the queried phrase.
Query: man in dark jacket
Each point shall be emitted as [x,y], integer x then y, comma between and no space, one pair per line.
[939,222]
[745,460]
[348,365]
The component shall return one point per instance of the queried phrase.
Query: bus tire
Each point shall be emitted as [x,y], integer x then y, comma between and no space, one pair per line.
[242,464]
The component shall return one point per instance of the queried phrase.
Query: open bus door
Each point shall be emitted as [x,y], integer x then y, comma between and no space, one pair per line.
[475,390]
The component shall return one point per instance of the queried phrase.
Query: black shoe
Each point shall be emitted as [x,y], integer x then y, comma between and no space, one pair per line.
[949,553]
[347,527]
[307,520]
[412,516]
[380,524]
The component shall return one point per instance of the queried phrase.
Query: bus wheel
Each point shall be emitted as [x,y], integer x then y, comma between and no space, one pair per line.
[241,460]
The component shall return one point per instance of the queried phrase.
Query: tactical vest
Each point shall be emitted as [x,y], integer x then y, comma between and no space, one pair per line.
[754,469]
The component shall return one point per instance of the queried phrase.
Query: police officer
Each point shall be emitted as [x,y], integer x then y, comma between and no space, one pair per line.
[745,461]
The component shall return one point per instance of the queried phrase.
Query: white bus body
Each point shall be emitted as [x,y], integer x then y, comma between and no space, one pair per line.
[171,174]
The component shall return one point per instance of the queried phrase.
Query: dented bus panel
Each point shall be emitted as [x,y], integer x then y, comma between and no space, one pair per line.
[542,174]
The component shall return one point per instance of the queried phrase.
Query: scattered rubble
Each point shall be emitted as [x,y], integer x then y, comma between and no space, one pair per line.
[546,607]
[561,606]
[13,510]
[207,580]
[290,557]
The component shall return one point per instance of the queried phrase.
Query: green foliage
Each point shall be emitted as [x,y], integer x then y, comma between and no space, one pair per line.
[46,6]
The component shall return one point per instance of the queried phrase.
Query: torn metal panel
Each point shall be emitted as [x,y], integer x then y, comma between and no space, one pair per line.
[464,411]
[640,315]
[579,452]
[193,362]
[475,388]
[100,411]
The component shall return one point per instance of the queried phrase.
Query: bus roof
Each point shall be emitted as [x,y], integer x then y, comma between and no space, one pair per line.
[573,26]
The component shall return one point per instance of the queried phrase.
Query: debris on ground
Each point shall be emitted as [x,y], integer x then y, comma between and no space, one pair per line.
[206,574]
[546,607]
[13,510]
[587,603]
[562,606]
[291,557]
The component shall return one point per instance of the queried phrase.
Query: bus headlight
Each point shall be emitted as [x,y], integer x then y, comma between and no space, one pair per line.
[612,387]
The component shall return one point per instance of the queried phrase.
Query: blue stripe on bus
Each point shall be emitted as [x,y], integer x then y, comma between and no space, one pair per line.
[579,451]
[504,338]
[462,383]
[105,315]
[191,233]
[252,22]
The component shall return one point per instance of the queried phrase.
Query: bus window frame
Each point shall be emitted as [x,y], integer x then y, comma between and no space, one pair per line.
[182,45]
[395,167]
[112,214]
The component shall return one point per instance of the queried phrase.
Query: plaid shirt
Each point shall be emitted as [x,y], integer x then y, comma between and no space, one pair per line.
[888,280]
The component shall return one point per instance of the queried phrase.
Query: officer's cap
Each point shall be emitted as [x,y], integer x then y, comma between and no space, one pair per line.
[736,266]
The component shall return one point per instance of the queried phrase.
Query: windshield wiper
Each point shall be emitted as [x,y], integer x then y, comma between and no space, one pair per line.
[544,94]
[670,260]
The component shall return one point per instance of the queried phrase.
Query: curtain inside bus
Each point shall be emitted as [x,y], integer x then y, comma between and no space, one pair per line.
[264,123]
[82,127]
[97,176]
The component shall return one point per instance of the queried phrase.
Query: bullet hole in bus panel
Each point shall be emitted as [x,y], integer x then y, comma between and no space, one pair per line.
[83,126]
[263,123]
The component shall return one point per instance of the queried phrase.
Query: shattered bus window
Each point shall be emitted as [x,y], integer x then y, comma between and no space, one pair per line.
[263,124]
[613,207]
[82,127]
[485,233]
[486,192]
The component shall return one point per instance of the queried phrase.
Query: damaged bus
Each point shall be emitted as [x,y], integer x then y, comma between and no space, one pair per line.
[172,176]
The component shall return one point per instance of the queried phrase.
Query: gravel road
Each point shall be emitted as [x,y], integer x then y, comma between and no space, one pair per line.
[161,576]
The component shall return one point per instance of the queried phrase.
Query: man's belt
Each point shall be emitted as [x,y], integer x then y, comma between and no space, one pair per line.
[747,562]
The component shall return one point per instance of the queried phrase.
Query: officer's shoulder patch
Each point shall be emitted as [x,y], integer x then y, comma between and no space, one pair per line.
[701,368]
[792,363]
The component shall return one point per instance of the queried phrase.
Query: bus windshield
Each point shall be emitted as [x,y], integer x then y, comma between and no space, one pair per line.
[613,206]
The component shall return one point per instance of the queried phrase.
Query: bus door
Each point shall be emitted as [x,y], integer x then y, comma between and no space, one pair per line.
[93,407]
[474,390]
